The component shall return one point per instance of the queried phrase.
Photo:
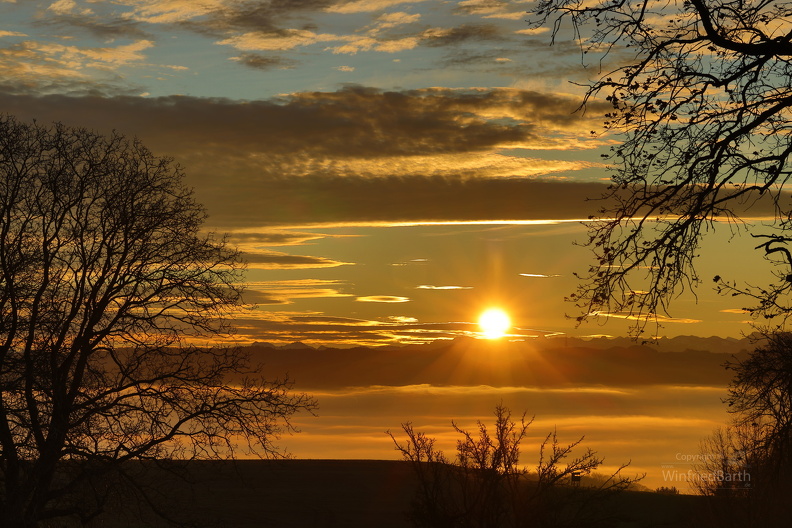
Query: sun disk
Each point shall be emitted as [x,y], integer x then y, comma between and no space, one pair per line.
[494,323]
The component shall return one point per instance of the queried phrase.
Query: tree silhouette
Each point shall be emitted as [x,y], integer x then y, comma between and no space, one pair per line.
[486,487]
[760,397]
[701,93]
[746,467]
[107,284]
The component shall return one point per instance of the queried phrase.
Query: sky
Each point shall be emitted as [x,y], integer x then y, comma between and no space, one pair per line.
[389,168]
[648,406]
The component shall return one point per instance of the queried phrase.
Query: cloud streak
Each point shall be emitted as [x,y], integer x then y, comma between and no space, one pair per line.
[255,240]
[279,260]
[431,287]
[646,317]
[285,291]
[383,299]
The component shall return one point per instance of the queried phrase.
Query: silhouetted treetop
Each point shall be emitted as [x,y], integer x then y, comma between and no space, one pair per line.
[701,92]
[106,283]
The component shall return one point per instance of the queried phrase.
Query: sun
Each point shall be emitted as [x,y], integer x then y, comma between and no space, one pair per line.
[494,323]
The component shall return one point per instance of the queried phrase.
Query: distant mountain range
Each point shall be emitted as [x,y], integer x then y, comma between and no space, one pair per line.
[726,345]
[543,362]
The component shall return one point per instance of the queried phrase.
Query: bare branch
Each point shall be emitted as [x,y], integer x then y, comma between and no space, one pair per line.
[104,272]
[702,99]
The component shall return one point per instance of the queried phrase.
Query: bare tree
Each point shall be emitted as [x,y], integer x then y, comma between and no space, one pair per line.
[485,485]
[107,285]
[725,462]
[701,92]
[760,396]
[746,467]
[434,505]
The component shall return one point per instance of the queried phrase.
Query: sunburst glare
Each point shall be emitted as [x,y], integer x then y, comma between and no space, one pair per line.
[494,323]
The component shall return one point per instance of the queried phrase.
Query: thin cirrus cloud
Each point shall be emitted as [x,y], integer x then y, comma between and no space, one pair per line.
[493,8]
[285,291]
[532,31]
[276,41]
[362,6]
[539,275]
[383,299]
[425,389]
[411,262]
[402,319]
[646,317]
[432,287]
[172,11]
[279,260]
[255,240]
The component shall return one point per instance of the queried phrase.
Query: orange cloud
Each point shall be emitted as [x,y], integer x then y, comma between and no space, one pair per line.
[646,317]
[430,287]
[383,299]
[283,291]
[364,6]
[278,260]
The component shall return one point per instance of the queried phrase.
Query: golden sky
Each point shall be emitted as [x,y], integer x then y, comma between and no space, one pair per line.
[647,405]
[378,162]
[390,169]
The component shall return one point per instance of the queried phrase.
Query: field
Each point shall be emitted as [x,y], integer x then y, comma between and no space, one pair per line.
[329,493]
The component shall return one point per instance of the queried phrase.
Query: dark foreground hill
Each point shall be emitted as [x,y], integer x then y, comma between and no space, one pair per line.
[327,493]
